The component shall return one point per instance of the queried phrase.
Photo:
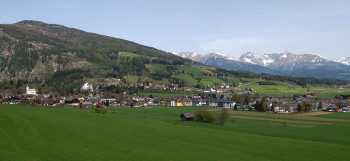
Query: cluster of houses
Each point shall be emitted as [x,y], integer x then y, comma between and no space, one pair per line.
[197,101]
[275,104]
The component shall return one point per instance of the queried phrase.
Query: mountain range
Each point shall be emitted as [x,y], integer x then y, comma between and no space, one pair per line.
[305,65]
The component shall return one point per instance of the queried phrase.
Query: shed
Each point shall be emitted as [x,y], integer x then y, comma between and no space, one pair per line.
[187,116]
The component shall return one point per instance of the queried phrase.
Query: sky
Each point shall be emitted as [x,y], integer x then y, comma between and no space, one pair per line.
[231,27]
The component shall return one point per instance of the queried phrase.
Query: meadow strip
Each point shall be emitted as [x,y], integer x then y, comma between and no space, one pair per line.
[279,120]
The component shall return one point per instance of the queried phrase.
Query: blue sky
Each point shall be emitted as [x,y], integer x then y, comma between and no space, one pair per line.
[231,27]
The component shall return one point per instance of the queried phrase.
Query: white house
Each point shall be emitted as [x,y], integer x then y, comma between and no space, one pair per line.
[222,103]
[30,91]
[86,87]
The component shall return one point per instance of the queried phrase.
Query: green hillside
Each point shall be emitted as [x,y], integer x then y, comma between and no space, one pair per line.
[59,59]
[46,133]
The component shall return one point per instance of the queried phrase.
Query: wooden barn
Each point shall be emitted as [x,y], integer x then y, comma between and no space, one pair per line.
[187,117]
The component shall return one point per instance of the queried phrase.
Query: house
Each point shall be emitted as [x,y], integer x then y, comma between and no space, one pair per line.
[13,100]
[172,102]
[187,117]
[61,100]
[30,91]
[72,101]
[199,103]
[346,109]
[114,103]
[46,101]
[187,102]
[86,104]
[86,87]
[206,90]
[108,100]
[100,105]
[176,102]
[225,103]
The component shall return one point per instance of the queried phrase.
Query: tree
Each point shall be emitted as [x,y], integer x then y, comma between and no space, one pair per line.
[203,115]
[246,99]
[264,105]
[299,107]
[320,105]
[261,106]
[222,117]
[273,106]
[235,107]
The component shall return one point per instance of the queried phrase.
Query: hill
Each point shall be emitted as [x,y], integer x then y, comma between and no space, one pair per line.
[61,59]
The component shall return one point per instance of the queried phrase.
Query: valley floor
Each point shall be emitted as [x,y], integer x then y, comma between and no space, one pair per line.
[47,133]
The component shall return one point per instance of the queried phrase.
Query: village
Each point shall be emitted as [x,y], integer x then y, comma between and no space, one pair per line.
[208,97]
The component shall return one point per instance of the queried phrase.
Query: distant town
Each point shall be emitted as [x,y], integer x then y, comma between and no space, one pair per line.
[217,98]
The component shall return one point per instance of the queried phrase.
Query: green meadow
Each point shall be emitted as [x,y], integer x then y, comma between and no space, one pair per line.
[287,90]
[58,133]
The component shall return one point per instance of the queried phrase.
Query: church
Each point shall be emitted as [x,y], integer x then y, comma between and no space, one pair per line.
[30,91]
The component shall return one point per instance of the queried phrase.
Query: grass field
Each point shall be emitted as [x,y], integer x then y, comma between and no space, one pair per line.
[46,133]
[288,90]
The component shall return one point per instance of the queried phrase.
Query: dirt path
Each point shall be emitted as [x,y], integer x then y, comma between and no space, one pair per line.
[279,120]
[314,113]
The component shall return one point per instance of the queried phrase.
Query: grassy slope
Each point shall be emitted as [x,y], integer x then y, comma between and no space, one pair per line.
[286,89]
[35,133]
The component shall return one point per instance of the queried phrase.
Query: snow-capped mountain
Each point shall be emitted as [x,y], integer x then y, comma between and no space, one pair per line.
[284,61]
[203,58]
[305,65]
[259,59]
[345,61]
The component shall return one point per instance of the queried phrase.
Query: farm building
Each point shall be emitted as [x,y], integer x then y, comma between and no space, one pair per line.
[187,117]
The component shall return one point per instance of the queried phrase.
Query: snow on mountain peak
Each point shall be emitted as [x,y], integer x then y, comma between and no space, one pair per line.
[285,61]
[345,61]
[257,58]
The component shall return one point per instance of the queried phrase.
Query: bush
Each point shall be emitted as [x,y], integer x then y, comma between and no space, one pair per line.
[284,123]
[203,115]
[222,117]
[100,110]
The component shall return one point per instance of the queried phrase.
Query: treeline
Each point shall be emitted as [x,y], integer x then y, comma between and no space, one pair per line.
[119,89]
[129,66]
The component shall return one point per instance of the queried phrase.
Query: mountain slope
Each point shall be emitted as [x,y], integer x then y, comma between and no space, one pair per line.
[31,49]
